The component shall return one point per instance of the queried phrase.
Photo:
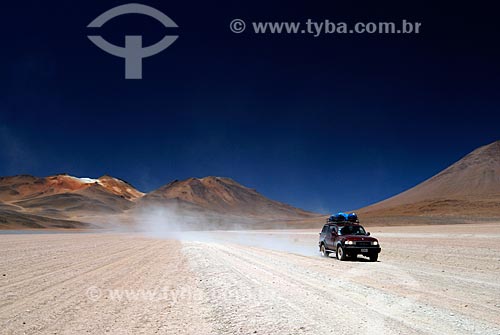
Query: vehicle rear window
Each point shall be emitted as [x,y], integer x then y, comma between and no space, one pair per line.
[352,230]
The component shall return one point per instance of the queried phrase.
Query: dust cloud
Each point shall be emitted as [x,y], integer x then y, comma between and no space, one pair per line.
[184,226]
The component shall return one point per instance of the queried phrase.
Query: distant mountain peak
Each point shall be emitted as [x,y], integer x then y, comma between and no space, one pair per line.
[222,195]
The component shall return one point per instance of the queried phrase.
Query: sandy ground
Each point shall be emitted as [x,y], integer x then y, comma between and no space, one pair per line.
[429,280]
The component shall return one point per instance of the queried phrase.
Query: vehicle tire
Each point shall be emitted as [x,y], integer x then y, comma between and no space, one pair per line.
[374,258]
[323,251]
[341,254]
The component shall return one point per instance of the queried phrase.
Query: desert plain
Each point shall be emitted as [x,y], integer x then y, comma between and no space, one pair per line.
[428,280]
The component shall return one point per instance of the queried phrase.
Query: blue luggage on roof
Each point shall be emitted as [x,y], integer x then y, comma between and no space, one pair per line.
[352,217]
[342,217]
[339,217]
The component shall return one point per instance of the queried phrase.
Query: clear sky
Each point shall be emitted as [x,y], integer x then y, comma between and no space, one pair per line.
[328,123]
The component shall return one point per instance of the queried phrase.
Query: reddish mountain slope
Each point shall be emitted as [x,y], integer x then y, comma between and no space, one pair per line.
[65,197]
[468,188]
[221,195]
[24,187]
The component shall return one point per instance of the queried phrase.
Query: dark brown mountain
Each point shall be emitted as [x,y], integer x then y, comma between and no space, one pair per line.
[14,219]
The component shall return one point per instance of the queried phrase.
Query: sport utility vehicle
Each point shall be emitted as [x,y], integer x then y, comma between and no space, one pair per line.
[347,240]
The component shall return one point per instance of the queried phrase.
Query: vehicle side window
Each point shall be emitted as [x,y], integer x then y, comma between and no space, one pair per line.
[332,229]
[324,229]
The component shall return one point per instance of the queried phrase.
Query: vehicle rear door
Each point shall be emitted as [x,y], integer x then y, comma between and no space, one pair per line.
[330,237]
[323,233]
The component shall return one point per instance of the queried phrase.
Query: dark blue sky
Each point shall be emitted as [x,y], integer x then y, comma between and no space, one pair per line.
[328,123]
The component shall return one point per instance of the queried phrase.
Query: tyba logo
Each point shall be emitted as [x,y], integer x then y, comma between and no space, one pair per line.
[133,52]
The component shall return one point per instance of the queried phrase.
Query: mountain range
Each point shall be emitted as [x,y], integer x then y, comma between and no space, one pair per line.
[64,201]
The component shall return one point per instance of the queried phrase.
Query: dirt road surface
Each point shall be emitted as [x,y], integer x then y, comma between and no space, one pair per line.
[429,280]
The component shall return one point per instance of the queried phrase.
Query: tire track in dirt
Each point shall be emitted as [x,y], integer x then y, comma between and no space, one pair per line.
[317,287]
[61,305]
